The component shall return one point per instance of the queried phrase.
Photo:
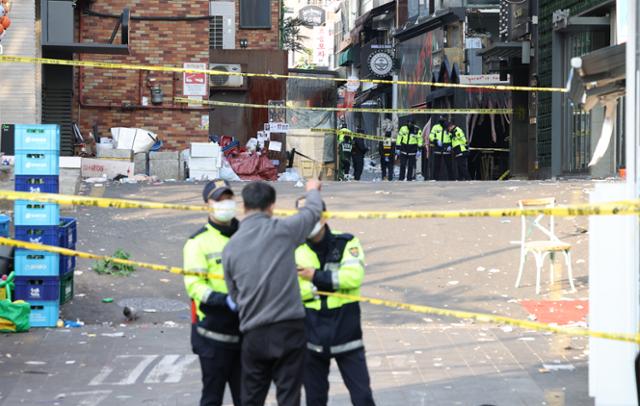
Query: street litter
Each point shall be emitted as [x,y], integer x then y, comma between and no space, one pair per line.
[118,334]
[36,363]
[558,367]
[290,175]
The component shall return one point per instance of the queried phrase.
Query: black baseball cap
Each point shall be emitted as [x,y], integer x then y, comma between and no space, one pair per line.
[216,188]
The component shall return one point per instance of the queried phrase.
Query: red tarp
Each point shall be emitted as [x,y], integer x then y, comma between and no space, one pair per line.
[253,167]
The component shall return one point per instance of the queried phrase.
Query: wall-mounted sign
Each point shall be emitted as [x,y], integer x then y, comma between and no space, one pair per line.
[380,63]
[195,84]
[312,15]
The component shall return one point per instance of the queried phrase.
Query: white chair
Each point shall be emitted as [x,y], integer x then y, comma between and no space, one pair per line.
[540,249]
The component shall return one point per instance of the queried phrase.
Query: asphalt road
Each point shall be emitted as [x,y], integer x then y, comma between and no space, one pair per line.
[415,359]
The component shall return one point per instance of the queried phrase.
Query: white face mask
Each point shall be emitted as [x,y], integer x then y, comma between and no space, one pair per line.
[316,230]
[223,211]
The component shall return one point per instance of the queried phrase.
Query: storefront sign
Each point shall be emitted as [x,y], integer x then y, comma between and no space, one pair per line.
[380,63]
[312,15]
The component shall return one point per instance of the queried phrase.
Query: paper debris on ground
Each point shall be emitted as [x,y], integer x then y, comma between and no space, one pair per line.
[559,367]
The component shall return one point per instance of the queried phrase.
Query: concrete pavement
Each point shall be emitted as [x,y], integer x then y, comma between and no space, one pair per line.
[465,264]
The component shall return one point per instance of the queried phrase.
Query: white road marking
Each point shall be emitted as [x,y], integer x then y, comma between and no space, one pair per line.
[170,369]
[131,378]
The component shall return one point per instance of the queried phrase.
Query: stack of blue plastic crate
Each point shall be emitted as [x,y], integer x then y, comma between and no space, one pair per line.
[43,279]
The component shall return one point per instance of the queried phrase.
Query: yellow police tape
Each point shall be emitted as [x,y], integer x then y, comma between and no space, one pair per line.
[489,318]
[624,207]
[290,106]
[481,317]
[72,253]
[157,68]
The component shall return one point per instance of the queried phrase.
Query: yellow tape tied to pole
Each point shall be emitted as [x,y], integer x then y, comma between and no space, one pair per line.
[342,109]
[157,68]
[625,207]
[481,317]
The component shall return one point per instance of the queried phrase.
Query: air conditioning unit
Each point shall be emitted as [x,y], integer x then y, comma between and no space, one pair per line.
[226,80]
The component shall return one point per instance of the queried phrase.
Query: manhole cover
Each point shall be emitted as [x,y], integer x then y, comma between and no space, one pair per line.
[154,303]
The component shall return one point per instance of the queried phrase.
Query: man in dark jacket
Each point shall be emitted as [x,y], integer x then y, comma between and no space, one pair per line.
[359,150]
[261,275]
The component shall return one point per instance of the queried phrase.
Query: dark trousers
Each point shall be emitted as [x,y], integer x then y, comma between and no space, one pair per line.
[407,166]
[345,163]
[439,160]
[462,167]
[386,162]
[353,368]
[358,165]
[425,164]
[273,353]
[222,368]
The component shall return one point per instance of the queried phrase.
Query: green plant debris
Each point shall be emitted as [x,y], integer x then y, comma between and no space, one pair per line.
[108,267]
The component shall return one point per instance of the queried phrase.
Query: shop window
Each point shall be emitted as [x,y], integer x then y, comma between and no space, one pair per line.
[255,14]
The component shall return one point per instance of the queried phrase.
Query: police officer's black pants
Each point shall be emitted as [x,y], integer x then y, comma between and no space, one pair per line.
[273,352]
[358,165]
[407,166]
[353,368]
[345,163]
[386,162]
[222,368]
[424,161]
[441,159]
[462,167]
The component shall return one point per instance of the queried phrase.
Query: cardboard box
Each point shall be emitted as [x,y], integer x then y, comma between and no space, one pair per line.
[204,164]
[95,168]
[164,156]
[112,153]
[204,150]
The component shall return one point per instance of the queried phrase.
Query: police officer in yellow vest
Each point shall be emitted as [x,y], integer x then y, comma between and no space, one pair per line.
[440,141]
[334,262]
[460,151]
[409,140]
[345,147]
[215,335]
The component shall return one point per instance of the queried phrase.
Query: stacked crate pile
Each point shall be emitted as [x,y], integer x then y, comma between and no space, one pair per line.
[43,279]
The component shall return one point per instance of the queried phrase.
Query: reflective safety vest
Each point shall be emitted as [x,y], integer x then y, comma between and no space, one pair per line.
[458,140]
[344,132]
[438,133]
[406,137]
[332,323]
[214,323]
[387,148]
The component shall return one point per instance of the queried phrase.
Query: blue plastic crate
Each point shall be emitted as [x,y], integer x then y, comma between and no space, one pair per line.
[30,288]
[68,236]
[37,137]
[44,313]
[36,263]
[47,235]
[4,225]
[37,183]
[37,163]
[68,232]
[28,213]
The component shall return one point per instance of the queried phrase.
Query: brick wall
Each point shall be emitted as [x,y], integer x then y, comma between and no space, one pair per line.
[261,39]
[171,43]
